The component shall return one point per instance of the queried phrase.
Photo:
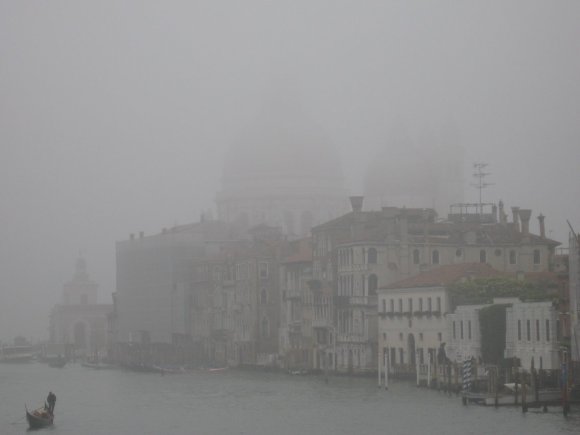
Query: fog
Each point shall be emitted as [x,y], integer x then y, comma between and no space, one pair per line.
[116,117]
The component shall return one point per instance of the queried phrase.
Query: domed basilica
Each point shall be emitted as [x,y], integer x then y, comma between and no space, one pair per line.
[283,173]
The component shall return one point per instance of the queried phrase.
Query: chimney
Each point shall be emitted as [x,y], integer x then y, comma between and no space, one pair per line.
[525,218]
[356,202]
[541,218]
[131,236]
[515,211]
[502,215]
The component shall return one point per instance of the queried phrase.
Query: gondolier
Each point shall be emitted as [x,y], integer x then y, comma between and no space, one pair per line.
[51,400]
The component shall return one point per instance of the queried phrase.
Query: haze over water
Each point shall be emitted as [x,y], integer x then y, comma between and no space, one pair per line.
[93,402]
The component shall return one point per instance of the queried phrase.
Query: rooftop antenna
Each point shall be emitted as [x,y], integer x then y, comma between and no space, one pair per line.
[480,183]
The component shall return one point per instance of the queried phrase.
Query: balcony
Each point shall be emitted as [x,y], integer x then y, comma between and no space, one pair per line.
[293,294]
[321,323]
[351,338]
[356,300]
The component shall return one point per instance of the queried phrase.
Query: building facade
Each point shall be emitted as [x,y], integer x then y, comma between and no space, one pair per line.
[79,322]
[532,335]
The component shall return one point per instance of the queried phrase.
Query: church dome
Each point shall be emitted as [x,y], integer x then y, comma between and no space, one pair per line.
[282,170]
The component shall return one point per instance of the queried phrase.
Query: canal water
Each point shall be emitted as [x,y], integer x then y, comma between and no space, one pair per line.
[105,402]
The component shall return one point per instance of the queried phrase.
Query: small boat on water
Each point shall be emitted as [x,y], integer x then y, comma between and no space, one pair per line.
[16,354]
[217,369]
[57,362]
[39,418]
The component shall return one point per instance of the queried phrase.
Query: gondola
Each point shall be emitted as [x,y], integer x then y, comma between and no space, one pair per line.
[39,418]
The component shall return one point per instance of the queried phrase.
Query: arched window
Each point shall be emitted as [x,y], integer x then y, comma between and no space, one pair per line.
[372,256]
[373,284]
[416,256]
[536,256]
[435,257]
[482,256]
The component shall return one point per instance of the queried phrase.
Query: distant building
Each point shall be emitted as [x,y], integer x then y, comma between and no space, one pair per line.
[154,298]
[284,174]
[361,251]
[79,322]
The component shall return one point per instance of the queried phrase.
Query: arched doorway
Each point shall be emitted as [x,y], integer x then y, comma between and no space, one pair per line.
[411,349]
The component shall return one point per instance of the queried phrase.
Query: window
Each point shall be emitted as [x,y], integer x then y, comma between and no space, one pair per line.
[536,256]
[537,330]
[528,330]
[454,333]
[519,330]
[373,284]
[435,257]
[263,270]
[458,252]
[439,336]
[420,336]
[469,329]
[497,252]
[438,304]
[461,329]
[372,256]
[384,306]
[429,305]
[416,256]
[482,256]
[513,257]
[410,305]
[392,305]
[547,330]
[400,305]
[420,304]
[263,297]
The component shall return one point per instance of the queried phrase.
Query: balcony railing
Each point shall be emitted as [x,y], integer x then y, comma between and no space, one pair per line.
[351,338]
[356,300]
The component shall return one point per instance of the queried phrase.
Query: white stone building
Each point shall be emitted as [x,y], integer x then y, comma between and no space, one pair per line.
[412,323]
[531,334]
[464,335]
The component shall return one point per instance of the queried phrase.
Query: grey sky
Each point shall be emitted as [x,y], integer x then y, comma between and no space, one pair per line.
[115,116]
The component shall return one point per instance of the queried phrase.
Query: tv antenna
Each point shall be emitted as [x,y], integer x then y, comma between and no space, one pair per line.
[480,183]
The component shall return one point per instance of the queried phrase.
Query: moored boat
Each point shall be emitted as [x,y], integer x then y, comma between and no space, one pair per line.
[16,354]
[39,418]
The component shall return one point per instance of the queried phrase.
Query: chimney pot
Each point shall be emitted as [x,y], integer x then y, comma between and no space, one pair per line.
[541,218]
[356,202]
[525,215]
[515,211]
